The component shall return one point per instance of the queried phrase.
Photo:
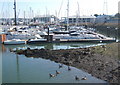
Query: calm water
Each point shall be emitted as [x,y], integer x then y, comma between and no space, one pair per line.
[20,69]
[0,65]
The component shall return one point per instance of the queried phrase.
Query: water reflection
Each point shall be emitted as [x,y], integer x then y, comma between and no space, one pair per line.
[3,48]
[20,69]
[0,64]
[53,46]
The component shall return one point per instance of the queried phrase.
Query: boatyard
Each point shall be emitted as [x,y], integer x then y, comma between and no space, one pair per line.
[68,45]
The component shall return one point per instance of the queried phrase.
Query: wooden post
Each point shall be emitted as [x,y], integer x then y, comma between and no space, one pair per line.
[49,38]
[2,38]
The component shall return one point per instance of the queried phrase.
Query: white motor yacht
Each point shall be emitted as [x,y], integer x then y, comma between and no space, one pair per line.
[14,42]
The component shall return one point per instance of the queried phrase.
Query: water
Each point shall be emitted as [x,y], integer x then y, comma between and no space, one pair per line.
[20,69]
[0,65]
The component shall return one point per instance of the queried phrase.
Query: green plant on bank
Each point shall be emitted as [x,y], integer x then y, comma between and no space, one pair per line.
[110,50]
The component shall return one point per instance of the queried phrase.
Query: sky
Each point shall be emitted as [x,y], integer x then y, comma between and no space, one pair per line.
[58,7]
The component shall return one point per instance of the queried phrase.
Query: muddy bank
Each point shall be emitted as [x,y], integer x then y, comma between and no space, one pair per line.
[93,60]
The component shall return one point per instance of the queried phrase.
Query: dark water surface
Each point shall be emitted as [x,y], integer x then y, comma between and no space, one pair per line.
[20,69]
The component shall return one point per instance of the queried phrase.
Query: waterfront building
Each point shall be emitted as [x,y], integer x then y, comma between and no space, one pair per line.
[45,19]
[102,19]
[114,20]
[10,21]
[110,20]
[79,20]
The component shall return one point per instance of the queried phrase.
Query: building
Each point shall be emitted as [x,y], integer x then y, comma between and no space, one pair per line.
[10,21]
[79,20]
[114,21]
[102,19]
[45,19]
[107,19]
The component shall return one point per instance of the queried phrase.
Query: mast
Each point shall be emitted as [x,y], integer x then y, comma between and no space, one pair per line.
[77,15]
[60,9]
[46,16]
[15,21]
[68,15]
[105,8]
[24,17]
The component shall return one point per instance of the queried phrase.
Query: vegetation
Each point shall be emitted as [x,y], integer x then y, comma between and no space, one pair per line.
[110,50]
[117,15]
[96,15]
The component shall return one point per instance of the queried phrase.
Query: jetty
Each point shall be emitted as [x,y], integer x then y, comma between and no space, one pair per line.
[85,40]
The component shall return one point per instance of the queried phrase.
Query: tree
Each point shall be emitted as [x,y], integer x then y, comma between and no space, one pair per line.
[117,15]
[96,15]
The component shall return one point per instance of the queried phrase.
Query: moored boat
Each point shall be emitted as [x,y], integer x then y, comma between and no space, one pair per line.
[36,40]
[14,42]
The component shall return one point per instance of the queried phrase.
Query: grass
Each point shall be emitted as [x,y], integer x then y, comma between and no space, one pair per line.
[109,50]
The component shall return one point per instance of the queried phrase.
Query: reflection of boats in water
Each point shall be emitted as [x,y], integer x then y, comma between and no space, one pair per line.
[2,48]
[14,42]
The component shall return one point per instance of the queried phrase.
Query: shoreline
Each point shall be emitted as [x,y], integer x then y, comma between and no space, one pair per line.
[97,60]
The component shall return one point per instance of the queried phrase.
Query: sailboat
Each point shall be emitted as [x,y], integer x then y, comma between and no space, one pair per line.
[38,39]
[14,41]
[60,29]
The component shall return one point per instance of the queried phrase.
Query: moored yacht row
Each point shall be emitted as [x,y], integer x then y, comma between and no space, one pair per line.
[26,34]
[18,41]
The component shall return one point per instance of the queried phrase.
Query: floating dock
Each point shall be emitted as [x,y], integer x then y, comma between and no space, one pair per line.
[84,40]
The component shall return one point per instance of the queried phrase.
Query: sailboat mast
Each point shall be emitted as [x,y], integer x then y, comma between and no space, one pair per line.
[68,15]
[77,15]
[24,17]
[15,21]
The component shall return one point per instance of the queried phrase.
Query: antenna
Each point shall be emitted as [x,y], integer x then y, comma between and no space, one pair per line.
[105,7]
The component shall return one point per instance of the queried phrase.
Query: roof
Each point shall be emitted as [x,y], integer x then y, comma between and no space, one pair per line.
[38,16]
[82,17]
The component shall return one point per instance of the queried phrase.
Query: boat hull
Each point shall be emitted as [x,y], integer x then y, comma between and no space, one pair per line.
[14,42]
[37,41]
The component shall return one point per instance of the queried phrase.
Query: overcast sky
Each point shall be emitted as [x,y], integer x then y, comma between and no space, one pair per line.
[42,7]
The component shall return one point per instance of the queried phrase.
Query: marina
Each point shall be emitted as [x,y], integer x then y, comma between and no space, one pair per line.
[35,35]
[53,32]
[68,45]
